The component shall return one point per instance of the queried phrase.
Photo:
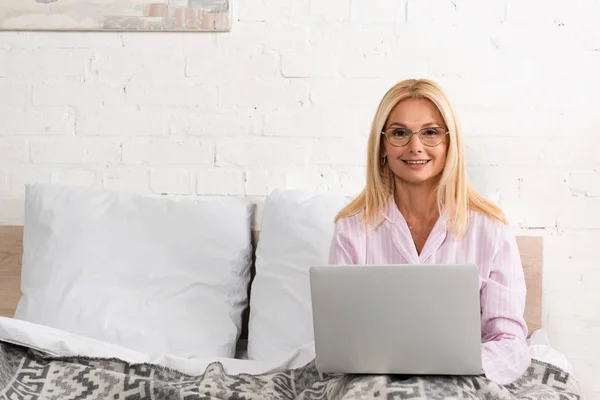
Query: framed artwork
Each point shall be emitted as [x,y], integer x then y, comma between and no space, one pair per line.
[115,15]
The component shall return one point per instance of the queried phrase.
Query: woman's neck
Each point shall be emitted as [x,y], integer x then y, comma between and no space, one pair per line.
[417,203]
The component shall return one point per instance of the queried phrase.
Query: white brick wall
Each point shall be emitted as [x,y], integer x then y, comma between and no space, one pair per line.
[286,99]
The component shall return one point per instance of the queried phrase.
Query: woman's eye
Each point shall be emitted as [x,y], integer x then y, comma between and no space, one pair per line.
[400,132]
[430,132]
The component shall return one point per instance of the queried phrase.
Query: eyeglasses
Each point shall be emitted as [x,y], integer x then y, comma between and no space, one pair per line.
[400,137]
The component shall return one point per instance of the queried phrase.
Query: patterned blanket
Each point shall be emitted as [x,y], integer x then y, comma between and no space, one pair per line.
[29,374]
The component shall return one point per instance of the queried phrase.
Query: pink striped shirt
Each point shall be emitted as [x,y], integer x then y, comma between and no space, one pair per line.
[488,244]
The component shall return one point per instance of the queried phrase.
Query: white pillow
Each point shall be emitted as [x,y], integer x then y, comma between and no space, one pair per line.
[156,275]
[295,233]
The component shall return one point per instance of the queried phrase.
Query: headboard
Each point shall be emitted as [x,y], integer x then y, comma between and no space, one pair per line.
[530,248]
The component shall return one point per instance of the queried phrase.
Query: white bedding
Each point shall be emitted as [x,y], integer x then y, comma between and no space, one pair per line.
[59,343]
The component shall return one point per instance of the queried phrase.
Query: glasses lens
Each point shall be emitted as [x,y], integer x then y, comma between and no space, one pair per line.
[431,136]
[398,136]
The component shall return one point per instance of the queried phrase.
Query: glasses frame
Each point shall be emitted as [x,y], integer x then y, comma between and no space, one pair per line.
[418,133]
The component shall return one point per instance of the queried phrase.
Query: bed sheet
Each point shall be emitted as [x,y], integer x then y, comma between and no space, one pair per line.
[38,362]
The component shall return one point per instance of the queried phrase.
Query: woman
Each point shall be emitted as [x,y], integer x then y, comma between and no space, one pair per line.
[418,208]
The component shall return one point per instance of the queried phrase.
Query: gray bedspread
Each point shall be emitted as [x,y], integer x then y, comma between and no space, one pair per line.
[29,374]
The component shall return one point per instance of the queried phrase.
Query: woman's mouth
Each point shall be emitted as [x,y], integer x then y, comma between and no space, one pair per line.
[416,162]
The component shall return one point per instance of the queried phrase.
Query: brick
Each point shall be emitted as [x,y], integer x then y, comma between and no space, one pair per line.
[546,184]
[364,66]
[57,63]
[485,150]
[15,93]
[569,15]
[3,183]
[19,177]
[464,54]
[534,39]
[13,150]
[124,66]
[263,10]
[438,11]
[565,152]
[500,180]
[576,92]
[187,94]
[531,152]
[260,37]
[579,213]
[584,183]
[256,65]
[232,152]
[529,11]
[24,40]
[325,38]
[510,124]
[413,66]
[332,10]
[515,213]
[168,151]
[578,305]
[171,181]
[199,44]
[577,123]
[536,68]
[160,44]
[37,121]
[77,177]
[349,180]
[539,213]
[587,36]
[260,182]
[121,121]
[74,151]
[525,211]
[220,181]
[77,93]
[483,15]
[308,64]
[193,122]
[460,51]
[364,121]
[570,250]
[582,321]
[263,94]
[378,11]
[312,122]
[127,179]
[474,93]
[359,93]
[12,211]
[340,151]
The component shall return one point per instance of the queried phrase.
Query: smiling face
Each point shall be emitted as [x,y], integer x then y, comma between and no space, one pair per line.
[415,163]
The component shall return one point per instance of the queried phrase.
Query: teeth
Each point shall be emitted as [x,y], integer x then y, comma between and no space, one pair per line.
[416,162]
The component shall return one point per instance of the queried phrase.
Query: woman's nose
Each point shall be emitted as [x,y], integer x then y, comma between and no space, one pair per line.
[415,144]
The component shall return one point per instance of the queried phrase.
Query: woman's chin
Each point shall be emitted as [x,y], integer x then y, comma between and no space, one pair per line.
[417,178]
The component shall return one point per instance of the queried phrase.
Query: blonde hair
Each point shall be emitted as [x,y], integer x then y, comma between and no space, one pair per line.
[455,196]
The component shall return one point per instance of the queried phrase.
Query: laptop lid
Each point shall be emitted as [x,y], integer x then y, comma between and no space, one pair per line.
[397,319]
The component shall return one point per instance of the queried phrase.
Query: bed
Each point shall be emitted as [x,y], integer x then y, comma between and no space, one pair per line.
[42,366]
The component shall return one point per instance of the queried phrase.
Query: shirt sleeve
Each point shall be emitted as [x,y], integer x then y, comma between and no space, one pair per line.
[342,250]
[505,353]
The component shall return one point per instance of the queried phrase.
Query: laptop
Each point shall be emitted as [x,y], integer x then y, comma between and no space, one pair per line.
[396,319]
